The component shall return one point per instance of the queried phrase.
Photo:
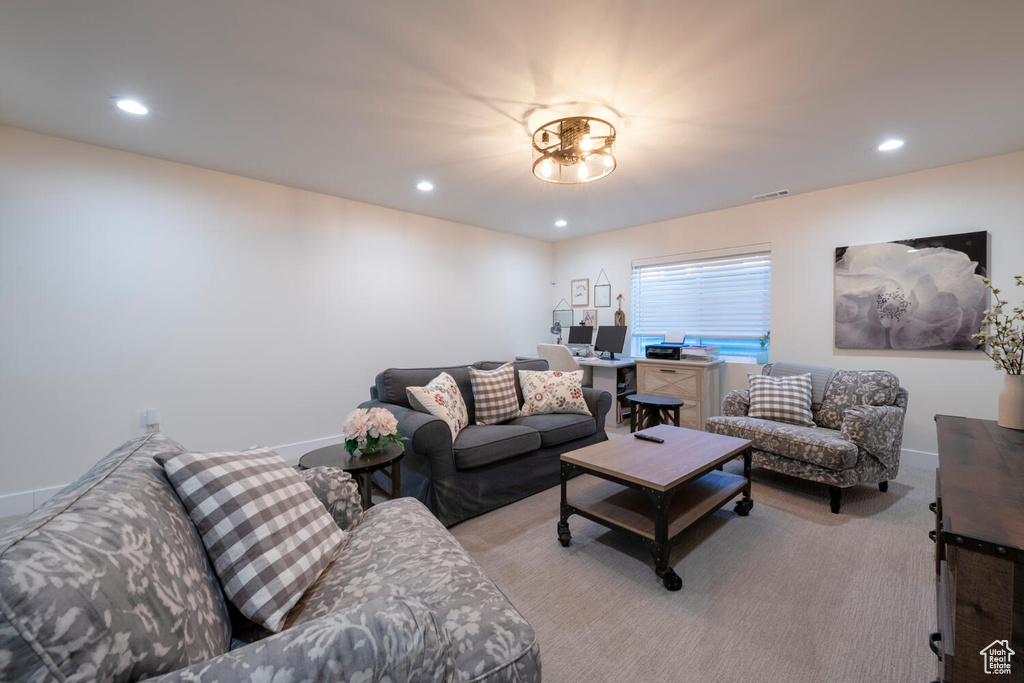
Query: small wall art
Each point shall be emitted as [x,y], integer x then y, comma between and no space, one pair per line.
[602,292]
[589,317]
[915,294]
[580,292]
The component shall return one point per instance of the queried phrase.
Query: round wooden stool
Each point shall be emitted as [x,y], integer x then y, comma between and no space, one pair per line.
[650,410]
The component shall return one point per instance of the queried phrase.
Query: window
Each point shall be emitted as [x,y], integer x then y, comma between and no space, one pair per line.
[718,299]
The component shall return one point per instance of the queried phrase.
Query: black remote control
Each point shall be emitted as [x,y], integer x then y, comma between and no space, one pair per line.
[648,437]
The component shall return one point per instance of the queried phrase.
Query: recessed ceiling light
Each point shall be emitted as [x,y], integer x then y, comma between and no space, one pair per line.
[560,223]
[131,106]
[890,145]
[424,186]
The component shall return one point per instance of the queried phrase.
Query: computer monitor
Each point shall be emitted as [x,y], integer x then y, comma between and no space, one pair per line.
[610,338]
[581,334]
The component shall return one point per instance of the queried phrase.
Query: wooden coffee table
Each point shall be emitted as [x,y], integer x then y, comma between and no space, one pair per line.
[655,491]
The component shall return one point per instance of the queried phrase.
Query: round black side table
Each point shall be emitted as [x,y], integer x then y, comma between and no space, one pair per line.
[650,410]
[361,467]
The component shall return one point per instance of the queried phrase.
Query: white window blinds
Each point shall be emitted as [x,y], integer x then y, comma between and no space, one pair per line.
[720,297]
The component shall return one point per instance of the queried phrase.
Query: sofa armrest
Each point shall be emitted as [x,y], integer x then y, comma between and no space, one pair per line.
[339,493]
[380,640]
[876,429]
[599,402]
[428,435]
[736,403]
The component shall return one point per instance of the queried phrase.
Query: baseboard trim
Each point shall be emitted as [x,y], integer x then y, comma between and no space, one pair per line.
[291,452]
[919,458]
[24,502]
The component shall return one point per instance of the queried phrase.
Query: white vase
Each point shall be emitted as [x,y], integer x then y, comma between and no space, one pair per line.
[1011,402]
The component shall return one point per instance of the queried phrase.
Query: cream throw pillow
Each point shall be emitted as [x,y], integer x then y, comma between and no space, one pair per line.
[441,398]
[552,391]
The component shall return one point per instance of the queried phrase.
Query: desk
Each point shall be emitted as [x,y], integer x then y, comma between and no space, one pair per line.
[607,376]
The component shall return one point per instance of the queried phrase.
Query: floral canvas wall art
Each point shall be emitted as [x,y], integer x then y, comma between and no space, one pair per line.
[925,293]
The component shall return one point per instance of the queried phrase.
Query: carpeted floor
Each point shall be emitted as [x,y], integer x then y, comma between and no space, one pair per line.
[791,593]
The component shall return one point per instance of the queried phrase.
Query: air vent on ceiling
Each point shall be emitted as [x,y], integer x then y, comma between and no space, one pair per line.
[771,195]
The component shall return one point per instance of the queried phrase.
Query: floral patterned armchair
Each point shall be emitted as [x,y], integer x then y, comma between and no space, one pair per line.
[109,581]
[856,439]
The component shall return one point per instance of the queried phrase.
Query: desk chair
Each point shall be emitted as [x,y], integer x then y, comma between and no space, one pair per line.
[560,358]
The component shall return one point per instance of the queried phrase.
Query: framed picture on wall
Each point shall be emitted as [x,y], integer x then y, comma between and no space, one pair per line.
[602,296]
[580,292]
[589,317]
[922,293]
[562,316]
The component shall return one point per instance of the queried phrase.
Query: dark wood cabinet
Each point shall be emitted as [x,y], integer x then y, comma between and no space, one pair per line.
[979,548]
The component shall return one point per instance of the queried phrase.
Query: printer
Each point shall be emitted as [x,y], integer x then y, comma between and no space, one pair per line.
[666,351]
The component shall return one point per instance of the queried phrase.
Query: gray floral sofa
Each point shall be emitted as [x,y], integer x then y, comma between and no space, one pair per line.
[856,439]
[109,581]
[487,466]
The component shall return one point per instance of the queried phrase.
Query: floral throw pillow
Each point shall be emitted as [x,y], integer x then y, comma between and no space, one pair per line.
[441,398]
[552,391]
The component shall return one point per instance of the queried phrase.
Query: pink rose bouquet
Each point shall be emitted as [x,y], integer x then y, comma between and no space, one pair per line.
[369,431]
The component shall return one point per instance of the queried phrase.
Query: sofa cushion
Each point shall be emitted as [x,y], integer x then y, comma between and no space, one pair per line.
[519,365]
[856,388]
[821,377]
[109,580]
[268,536]
[553,391]
[442,398]
[824,447]
[781,399]
[494,392]
[401,551]
[479,445]
[558,429]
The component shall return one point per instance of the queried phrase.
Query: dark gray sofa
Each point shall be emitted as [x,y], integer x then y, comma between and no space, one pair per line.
[488,466]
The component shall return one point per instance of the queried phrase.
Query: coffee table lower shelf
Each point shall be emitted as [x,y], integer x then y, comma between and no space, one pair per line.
[656,517]
[628,509]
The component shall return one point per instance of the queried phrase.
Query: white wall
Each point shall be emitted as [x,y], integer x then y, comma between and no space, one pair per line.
[804,230]
[246,312]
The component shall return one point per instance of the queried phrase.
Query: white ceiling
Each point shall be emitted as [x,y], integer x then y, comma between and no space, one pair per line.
[718,101]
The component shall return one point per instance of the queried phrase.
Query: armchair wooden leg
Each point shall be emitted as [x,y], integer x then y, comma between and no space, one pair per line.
[883,486]
[835,495]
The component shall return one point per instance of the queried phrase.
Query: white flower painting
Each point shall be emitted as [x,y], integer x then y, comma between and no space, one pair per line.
[916,294]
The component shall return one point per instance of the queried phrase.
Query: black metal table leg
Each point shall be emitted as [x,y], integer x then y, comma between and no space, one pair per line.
[564,537]
[745,504]
[661,548]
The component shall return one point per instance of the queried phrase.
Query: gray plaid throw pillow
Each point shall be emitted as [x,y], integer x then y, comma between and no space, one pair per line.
[494,392]
[781,399]
[267,535]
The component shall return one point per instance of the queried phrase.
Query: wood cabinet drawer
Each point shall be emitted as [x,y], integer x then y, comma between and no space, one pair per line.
[666,381]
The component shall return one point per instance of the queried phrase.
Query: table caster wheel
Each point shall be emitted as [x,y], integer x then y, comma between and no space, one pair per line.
[669,578]
[743,507]
[564,537]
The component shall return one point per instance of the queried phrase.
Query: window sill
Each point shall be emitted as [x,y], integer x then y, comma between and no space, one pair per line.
[741,360]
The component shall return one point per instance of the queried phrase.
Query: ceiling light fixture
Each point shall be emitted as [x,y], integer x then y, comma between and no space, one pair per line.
[560,223]
[131,106]
[890,145]
[424,186]
[577,149]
